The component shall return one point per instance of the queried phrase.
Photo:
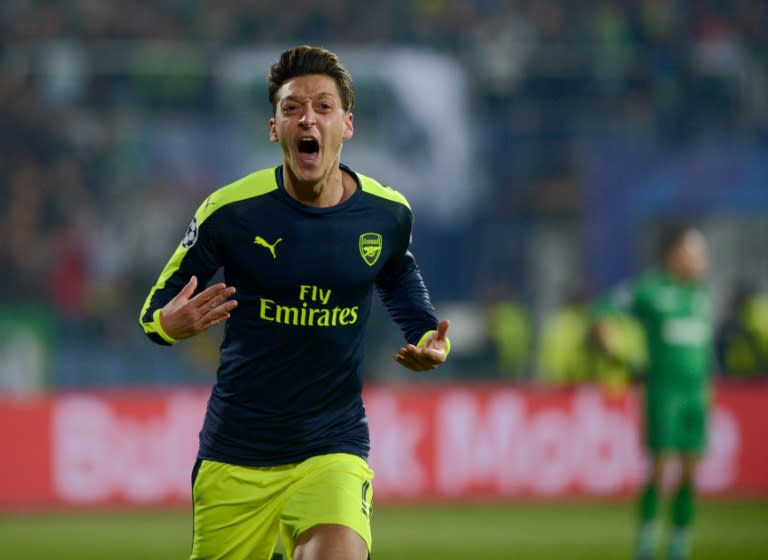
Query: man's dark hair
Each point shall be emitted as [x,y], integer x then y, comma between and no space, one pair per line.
[671,235]
[304,60]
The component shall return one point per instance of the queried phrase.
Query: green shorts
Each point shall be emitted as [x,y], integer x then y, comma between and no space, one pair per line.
[238,510]
[676,420]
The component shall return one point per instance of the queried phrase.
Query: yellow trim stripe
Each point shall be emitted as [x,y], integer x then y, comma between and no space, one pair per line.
[375,188]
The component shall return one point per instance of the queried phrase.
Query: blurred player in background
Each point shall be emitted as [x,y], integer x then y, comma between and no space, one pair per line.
[285,440]
[674,308]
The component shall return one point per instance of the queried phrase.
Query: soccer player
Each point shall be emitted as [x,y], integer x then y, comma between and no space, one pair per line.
[674,308]
[302,245]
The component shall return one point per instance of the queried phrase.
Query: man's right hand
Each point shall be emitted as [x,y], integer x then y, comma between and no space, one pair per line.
[186,316]
[600,335]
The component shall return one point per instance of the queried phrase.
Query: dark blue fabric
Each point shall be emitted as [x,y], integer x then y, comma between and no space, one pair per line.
[286,391]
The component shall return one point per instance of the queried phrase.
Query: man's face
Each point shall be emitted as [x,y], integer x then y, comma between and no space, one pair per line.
[689,259]
[310,124]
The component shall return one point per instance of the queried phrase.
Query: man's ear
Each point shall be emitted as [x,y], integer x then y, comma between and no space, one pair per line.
[349,127]
[272,130]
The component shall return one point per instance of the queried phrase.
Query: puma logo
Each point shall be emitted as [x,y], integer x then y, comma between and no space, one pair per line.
[259,240]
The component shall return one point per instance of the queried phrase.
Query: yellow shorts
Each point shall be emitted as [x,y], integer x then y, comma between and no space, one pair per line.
[238,510]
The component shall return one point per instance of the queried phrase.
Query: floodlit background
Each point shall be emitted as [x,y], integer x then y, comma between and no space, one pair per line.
[542,144]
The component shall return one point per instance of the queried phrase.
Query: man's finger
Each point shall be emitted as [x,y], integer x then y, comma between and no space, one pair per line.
[442,328]
[405,354]
[217,310]
[434,356]
[416,364]
[408,361]
[215,315]
[186,292]
[189,287]
[418,359]
[213,295]
[211,291]
[222,297]
[217,321]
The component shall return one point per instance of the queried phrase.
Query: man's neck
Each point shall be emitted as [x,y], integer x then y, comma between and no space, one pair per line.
[333,188]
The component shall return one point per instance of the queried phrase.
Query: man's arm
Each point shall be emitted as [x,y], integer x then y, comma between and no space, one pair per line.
[177,306]
[623,300]
[404,294]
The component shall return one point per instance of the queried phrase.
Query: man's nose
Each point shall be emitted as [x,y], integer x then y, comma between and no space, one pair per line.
[308,117]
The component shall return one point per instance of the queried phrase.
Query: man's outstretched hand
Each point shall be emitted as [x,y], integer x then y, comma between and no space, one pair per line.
[186,316]
[430,355]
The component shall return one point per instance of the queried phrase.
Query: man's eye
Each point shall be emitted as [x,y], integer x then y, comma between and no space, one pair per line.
[290,108]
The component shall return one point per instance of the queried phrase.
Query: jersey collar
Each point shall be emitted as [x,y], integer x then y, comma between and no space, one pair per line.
[312,209]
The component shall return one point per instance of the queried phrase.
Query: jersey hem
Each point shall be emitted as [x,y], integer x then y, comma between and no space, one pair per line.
[282,461]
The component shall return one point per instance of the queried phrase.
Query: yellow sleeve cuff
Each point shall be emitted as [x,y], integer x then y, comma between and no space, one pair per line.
[426,335]
[159,328]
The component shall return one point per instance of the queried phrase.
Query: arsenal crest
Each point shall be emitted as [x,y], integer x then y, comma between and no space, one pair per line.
[370,247]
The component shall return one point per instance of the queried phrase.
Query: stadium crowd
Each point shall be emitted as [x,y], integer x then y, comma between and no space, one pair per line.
[84,221]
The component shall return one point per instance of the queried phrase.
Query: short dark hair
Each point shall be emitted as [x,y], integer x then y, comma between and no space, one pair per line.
[303,60]
[671,235]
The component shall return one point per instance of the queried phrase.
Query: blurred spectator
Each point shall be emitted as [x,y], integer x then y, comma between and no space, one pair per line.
[509,327]
[615,372]
[568,353]
[564,353]
[742,337]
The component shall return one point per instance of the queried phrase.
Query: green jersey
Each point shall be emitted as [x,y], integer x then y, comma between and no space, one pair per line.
[678,324]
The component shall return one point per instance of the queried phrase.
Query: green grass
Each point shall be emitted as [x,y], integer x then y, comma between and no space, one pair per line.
[538,531]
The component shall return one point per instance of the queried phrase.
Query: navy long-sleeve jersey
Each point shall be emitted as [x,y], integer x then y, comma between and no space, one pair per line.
[289,383]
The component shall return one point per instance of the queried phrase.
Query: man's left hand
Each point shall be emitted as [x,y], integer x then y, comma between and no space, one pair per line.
[429,355]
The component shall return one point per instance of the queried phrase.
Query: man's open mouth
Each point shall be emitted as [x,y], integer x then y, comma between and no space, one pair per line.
[308,145]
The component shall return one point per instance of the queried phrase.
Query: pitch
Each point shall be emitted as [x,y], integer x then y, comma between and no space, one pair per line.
[534,531]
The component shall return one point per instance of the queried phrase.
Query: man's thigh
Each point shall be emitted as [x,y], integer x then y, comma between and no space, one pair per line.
[332,489]
[660,427]
[237,510]
[694,425]
[676,421]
